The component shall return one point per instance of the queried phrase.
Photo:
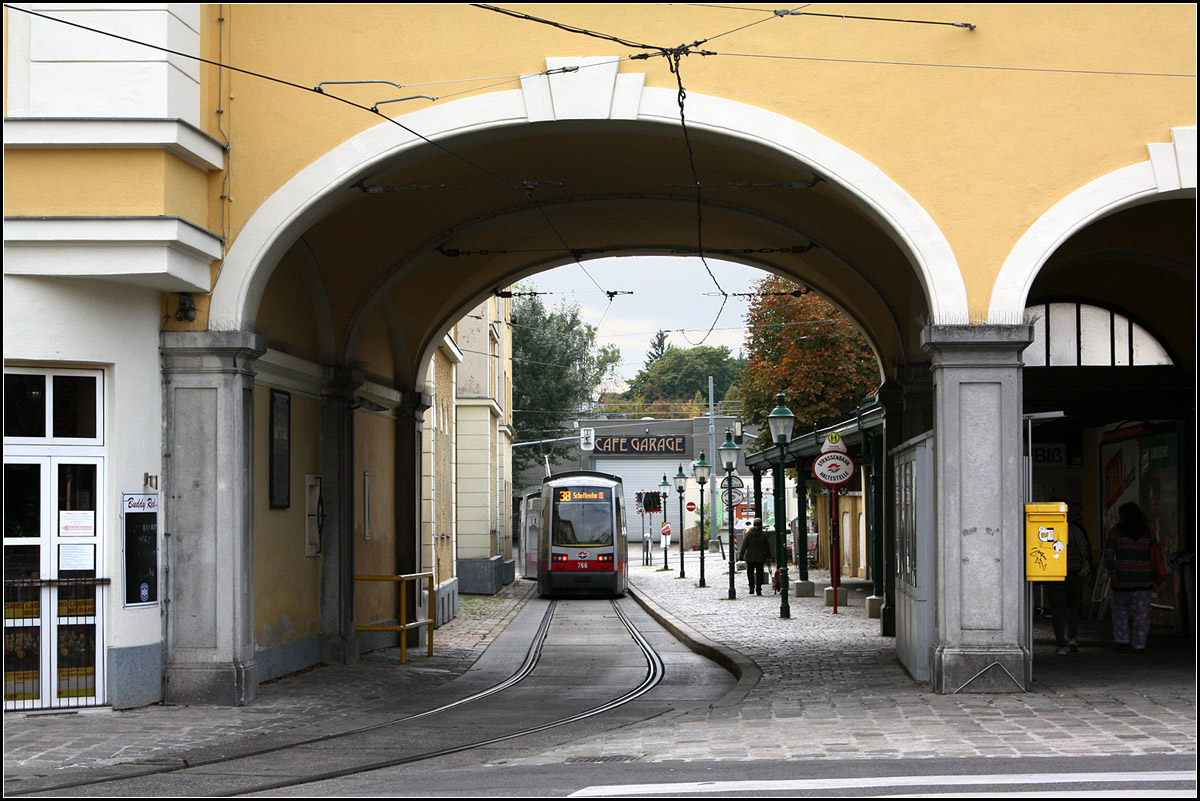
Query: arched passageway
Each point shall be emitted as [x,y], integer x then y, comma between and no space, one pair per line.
[372,254]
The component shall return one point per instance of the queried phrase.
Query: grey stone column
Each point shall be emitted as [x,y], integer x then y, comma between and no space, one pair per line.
[208,463]
[410,420]
[339,642]
[980,642]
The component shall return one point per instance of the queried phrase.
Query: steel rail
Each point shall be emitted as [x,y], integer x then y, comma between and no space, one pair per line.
[530,662]
[654,675]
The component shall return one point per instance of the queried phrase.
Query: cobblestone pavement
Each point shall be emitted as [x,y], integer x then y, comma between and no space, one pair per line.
[832,688]
[814,686]
[35,744]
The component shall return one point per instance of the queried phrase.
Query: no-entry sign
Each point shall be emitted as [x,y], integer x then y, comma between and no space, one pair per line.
[833,468]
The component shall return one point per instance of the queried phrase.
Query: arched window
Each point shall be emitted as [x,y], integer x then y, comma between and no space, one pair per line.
[1079,335]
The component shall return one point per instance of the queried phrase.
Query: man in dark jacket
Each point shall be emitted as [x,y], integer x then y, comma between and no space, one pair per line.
[756,551]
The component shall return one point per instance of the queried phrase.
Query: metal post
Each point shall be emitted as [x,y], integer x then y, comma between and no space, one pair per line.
[702,548]
[682,574]
[732,557]
[785,609]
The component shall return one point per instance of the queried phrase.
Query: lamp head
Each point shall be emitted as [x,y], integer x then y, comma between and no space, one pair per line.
[781,421]
[680,480]
[729,452]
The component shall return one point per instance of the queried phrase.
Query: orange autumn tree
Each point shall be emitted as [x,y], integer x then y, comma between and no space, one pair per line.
[800,345]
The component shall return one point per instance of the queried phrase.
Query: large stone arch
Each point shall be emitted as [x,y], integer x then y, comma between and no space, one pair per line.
[596,93]
[1170,172]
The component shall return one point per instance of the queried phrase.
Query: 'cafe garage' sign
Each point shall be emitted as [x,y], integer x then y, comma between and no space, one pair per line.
[674,444]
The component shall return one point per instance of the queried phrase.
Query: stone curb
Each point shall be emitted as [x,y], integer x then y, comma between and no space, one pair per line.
[741,667]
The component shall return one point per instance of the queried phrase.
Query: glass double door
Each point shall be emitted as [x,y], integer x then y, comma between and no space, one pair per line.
[53,600]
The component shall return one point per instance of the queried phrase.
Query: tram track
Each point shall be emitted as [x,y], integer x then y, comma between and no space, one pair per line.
[653,676]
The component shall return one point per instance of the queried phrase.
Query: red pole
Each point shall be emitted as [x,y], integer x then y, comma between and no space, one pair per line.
[834,555]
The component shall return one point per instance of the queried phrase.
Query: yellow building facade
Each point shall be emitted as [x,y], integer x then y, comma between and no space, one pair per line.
[236,230]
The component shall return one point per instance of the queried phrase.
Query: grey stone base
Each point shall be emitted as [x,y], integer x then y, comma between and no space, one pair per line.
[805,589]
[509,572]
[282,660]
[374,640]
[978,670]
[219,685]
[841,596]
[135,676]
[875,606]
[446,602]
[480,576]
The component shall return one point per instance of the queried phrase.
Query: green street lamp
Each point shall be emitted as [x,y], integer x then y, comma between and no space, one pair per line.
[680,486]
[781,421]
[729,458]
[701,471]
[665,487]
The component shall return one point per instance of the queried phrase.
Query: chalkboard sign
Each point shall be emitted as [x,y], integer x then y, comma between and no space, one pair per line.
[140,524]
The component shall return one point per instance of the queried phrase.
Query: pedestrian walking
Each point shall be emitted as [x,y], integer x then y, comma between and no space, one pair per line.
[756,551]
[1127,555]
[1067,595]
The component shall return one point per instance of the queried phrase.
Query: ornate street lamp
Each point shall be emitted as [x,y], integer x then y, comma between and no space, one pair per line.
[701,470]
[781,421]
[729,459]
[680,486]
[663,492]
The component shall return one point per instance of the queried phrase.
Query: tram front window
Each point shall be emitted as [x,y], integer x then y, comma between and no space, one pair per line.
[583,516]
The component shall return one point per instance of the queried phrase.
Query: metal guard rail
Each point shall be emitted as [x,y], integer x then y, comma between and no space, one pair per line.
[404,611]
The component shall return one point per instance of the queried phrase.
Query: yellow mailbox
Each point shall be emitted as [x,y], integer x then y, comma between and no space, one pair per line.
[1045,541]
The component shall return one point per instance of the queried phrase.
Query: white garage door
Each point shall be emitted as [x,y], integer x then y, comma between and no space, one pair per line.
[642,475]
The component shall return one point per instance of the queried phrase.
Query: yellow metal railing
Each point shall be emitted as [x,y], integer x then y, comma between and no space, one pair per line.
[404,611]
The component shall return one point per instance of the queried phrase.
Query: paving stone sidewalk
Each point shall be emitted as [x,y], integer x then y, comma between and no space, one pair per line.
[832,688]
[821,686]
[41,744]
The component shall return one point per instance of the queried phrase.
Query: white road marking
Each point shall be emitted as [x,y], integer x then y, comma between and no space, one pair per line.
[860,783]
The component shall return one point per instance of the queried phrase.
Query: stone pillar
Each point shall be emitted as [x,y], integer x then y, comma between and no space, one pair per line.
[208,464]
[890,396]
[980,638]
[410,416]
[339,642]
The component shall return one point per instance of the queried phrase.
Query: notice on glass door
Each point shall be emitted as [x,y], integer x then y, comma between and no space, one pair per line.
[76,523]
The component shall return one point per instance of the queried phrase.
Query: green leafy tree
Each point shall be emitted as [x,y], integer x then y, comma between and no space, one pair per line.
[658,347]
[681,375]
[808,350]
[557,373]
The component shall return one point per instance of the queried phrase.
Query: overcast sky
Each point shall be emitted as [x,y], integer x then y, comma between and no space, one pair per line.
[674,294]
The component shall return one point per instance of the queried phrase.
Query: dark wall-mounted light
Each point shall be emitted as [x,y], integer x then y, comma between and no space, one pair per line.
[187,308]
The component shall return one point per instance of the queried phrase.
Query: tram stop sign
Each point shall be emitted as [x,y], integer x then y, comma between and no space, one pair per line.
[833,468]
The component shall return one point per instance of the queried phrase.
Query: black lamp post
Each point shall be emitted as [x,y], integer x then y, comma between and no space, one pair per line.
[680,486]
[701,471]
[781,421]
[729,458]
[663,492]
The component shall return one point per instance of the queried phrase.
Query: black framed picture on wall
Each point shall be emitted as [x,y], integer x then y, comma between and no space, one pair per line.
[281,449]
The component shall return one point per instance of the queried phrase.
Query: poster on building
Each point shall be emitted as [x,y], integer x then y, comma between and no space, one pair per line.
[139,513]
[1142,466]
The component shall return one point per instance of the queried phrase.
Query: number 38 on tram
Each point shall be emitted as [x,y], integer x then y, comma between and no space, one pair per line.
[582,548]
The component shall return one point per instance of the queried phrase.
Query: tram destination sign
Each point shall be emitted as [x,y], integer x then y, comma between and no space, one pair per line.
[672,445]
